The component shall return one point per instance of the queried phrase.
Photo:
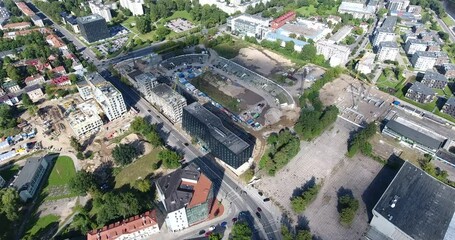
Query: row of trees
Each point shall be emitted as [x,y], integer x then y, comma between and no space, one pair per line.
[241,231]
[282,148]
[360,141]
[299,203]
[347,207]
[9,211]
[436,172]
[301,234]
[149,131]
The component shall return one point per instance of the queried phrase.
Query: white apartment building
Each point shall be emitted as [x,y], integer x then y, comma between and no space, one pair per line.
[97,7]
[388,51]
[85,90]
[386,32]
[168,101]
[85,119]
[413,45]
[106,95]
[366,63]
[336,54]
[357,9]
[145,82]
[233,6]
[249,25]
[135,6]
[423,61]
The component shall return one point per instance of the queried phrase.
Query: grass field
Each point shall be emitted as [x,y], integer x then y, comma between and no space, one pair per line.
[229,50]
[8,173]
[57,184]
[180,14]
[140,168]
[383,82]
[311,11]
[130,24]
[41,226]
[448,21]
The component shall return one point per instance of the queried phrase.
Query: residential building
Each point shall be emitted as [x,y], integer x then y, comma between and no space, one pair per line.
[97,7]
[334,20]
[248,25]
[358,9]
[15,26]
[449,107]
[187,196]
[37,21]
[234,5]
[85,119]
[9,99]
[441,58]
[107,96]
[30,177]
[168,101]
[71,21]
[135,6]
[415,9]
[336,54]
[386,32]
[341,34]
[283,19]
[388,51]
[61,81]
[145,82]
[84,89]
[423,61]
[420,93]
[34,92]
[25,9]
[59,71]
[139,227]
[4,15]
[414,45]
[11,87]
[56,42]
[448,70]
[397,5]
[366,63]
[2,182]
[34,79]
[414,135]
[224,140]
[434,80]
[415,205]
[93,28]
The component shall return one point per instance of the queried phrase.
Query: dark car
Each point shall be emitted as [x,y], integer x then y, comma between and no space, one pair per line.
[201,232]
[223,224]
[259,209]
[186,144]
[260,193]
[234,220]
[258,214]
[266,199]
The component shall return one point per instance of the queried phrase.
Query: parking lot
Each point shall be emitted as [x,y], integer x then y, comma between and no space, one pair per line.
[179,25]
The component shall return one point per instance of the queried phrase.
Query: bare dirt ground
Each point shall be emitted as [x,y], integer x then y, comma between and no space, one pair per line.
[262,61]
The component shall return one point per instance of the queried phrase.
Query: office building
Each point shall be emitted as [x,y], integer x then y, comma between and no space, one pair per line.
[139,227]
[433,79]
[70,20]
[224,140]
[85,119]
[135,6]
[187,196]
[30,177]
[386,32]
[97,7]
[449,107]
[358,9]
[308,29]
[366,63]
[388,51]
[145,82]
[248,25]
[337,55]
[106,95]
[413,45]
[283,19]
[341,34]
[397,5]
[448,70]
[414,135]
[416,206]
[168,101]
[420,93]
[93,28]
[423,61]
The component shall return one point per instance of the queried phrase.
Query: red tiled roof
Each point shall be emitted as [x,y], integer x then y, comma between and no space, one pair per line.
[60,80]
[25,9]
[284,17]
[127,226]
[59,69]
[55,41]
[17,25]
[201,191]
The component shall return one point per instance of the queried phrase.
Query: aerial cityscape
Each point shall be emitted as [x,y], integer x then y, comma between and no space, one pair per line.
[227,119]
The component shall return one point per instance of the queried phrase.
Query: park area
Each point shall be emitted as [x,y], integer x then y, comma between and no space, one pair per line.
[40,228]
[56,186]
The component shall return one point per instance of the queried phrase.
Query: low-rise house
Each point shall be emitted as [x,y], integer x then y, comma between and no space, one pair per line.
[34,92]
[139,227]
[56,42]
[11,87]
[334,20]
[61,81]
[38,65]
[16,26]
[434,80]
[60,70]
[30,177]
[35,79]
[448,70]
[420,93]
[9,99]
[449,107]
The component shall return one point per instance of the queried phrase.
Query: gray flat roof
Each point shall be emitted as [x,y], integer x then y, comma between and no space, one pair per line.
[175,197]
[434,75]
[28,172]
[451,101]
[217,128]
[421,88]
[449,66]
[167,93]
[89,18]
[415,135]
[426,54]
[424,207]
[388,44]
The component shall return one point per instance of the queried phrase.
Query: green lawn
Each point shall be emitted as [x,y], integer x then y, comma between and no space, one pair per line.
[130,23]
[229,50]
[448,21]
[384,82]
[41,226]
[140,168]
[312,11]
[180,14]
[56,186]
[9,172]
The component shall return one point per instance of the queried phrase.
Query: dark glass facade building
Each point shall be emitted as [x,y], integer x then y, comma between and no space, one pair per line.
[223,139]
[93,28]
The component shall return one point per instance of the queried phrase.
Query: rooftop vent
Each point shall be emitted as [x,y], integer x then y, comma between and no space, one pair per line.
[394,201]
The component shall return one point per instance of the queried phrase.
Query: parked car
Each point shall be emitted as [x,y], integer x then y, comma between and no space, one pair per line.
[201,232]
[234,220]
[258,214]
[259,209]
[211,228]
[266,199]
[223,224]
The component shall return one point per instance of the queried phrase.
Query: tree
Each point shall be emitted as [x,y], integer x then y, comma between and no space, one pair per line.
[73,78]
[80,156]
[303,235]
[154,15]
[308,52]
[143,24]
[215,236]
[142,185]
[13,73]
[75,144]
[10,203]
[7,120]
[241,231]
[26,101]
[82,182]
[299,203]
[124,154]
[169,158]
[161,33]
[347,206]
[350,40]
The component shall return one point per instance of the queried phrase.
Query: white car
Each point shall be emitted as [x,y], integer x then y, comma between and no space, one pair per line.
[211,228]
